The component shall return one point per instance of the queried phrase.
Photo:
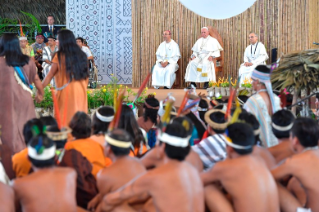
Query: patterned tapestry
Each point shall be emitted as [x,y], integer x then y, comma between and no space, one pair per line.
[106,25]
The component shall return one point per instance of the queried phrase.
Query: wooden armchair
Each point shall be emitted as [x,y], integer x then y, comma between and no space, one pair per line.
[219,62]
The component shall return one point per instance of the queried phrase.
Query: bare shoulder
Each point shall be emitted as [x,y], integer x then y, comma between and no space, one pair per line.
[189,166]
[157,172]
[105,173]
[66,170]
[5,189]
[236,164]
[306,157]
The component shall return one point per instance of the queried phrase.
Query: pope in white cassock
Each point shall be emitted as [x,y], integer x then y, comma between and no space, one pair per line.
[201,67]
[255,54]
[166,64]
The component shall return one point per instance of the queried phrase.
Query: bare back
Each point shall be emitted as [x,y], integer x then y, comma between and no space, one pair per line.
[6,198]
[305,167]
[118,174]
[250,184]
[151,159]
[193,159]
[49,189]
[281,151]
[265,155]
[176,186]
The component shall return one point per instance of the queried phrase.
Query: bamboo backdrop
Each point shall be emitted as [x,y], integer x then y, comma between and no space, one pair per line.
[289,25]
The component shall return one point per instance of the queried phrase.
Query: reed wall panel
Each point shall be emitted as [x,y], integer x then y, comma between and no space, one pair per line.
[289,25]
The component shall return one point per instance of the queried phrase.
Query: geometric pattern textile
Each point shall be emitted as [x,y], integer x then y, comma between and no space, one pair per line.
[107,27]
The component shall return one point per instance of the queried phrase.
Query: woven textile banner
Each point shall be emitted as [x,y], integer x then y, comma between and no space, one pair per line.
[106,25]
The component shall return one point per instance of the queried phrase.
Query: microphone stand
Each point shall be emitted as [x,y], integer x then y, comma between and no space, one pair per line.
[305,106]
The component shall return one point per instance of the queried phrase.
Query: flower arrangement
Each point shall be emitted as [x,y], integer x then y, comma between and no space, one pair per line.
[246,87]
[224,84]
[221,87]
[247,83]
[105,95]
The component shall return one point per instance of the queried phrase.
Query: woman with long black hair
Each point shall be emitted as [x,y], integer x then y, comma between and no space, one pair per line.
[128,123]
[71,74]
[17,74]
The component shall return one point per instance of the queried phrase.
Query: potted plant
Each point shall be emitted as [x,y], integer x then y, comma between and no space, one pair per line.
[105,95]
[218,88]
[211,88]
[224,90]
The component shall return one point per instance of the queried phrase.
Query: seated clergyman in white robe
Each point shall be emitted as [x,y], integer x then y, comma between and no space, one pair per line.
[166,64]
[255,54]
[201,67]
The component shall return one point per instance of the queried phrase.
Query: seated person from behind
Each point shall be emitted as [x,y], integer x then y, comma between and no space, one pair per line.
[150,117]
[81,132]
[303,166]
[118,143]
[21,165]
[101,120]
[243,175]
[212,149]
[282,122]
[128,123]
[258,150]
[152,159]
[173,186]
[58,183]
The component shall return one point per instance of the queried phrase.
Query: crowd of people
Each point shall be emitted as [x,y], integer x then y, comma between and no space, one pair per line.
[256,157]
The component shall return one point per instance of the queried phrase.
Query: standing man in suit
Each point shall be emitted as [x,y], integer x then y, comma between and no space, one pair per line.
[50,29]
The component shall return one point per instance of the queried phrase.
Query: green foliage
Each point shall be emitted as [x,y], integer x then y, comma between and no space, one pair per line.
[210,84]
[31,24]
[224,84]
[97,97]
[47,102]
[8,25]
[34,22]
[105,95]
[246,85]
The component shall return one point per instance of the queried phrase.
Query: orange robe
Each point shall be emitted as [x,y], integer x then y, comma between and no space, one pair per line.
[21,164]
[73,96]
[91,150]
[100,140]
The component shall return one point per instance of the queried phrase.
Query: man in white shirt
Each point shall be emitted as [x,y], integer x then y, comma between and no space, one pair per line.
[201,67]
[166,64]
[255,54]
[86,50]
